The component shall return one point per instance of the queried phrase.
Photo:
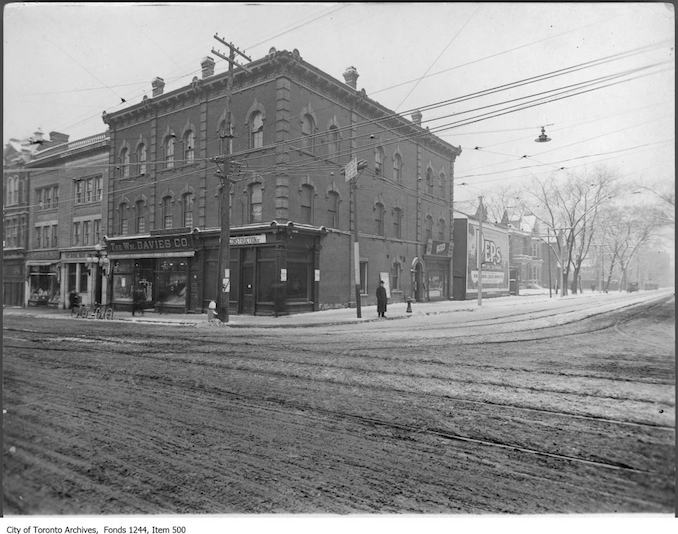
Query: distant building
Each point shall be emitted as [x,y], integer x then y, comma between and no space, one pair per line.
[529,253]
[15,186]
[294,129]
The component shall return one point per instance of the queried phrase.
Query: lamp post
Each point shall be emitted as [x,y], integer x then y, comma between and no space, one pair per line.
[94,262]
[480,251]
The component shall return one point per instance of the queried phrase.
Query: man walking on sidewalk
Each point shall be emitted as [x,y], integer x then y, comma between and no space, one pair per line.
[381,299]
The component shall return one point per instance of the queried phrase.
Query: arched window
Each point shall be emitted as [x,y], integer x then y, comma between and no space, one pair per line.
[379,218]
[334,146]
[396,271]
[306,204]
[397,223]
[10,191]
[141,158]
[169,152]
[255,202]
[167,212]
[187,209]
[141,217]
[225,134]
[397,168]
[189,147]
[379,161]
[256,130]
[124,163]
[429,181]
[442,185]
[428,228]
[333,209]
[307,133]
[441,229]
[123,227]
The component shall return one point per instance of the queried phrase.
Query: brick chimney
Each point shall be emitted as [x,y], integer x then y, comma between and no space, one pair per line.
[158,85]
[416,117]
[351,76]
[207,65]
[58,138]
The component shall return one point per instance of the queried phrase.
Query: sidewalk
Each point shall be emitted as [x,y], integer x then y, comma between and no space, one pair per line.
[396,311]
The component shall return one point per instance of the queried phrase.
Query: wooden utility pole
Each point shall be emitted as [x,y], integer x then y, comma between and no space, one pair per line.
[224,174]
[480,252]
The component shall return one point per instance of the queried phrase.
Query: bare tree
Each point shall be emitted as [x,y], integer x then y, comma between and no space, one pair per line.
[569,207]
[505,200]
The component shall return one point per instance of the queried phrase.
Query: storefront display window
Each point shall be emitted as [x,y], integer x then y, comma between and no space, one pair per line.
[298,280]
[44,285]
[436,284]
[172,278]
[268,279]
[123,280]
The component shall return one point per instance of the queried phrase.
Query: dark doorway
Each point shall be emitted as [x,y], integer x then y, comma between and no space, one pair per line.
[418,283]
[247,282]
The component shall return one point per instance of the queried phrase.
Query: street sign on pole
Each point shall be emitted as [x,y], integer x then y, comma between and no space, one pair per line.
[351,169]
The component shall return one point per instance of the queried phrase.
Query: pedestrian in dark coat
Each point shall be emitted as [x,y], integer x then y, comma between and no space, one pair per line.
[381,299]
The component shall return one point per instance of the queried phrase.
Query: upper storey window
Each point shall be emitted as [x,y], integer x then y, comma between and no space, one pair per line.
[141,158]
[307,131]
[429,181]
[379,161]
[169,152]
[256,199]
[256,130]
[397,168]
[334,146]
[124,163]
[189,147]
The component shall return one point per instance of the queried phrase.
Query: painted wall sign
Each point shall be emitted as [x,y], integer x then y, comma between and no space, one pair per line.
[494,255]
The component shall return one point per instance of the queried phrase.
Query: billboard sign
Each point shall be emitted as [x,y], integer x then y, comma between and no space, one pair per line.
[495,257]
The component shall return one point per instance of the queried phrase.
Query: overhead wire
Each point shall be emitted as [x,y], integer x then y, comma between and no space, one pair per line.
[468,96]
[454,38]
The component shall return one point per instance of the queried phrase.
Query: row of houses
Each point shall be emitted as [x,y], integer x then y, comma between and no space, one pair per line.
[135,211]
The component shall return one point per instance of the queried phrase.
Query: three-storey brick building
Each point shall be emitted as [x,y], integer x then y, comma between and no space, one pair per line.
[65,232]
[294,128]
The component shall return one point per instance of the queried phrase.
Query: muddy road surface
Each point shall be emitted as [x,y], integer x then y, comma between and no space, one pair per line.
[510,416]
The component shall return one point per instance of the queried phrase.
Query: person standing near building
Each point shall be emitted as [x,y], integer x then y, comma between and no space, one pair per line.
[381,299]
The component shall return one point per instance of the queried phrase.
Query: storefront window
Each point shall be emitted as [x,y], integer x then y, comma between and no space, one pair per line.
[84,277]
[172,278]
[298,280]
[44,286]
[268,277]
[123,277]
[436,284]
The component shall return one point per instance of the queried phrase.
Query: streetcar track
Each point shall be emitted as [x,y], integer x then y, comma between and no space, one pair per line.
[288,375]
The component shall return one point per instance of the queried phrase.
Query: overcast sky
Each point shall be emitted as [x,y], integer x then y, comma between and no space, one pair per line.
[65,64]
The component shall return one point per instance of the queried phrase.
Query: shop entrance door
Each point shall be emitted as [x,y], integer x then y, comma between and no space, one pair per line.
[247,283]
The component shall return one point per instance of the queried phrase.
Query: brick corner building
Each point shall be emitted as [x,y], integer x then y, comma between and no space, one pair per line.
[294,128]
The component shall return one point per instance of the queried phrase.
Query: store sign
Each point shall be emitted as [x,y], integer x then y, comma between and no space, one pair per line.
[151,244]
[437,248]
[259,239]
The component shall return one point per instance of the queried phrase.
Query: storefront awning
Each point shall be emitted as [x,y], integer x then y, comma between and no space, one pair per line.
[139,255]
